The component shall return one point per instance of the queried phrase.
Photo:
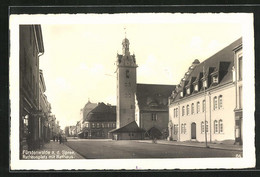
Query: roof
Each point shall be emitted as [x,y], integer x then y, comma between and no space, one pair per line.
[102,112]
[87,108]
[131,127]
[219,64]
[153,97]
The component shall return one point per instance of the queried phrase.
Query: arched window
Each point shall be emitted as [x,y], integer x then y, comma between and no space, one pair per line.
[207,127]
[220,126]
[202,127]
[192,108]
[181,128]
[215,126]
[188,109]
[183,111]
[198,107]
[184,128]
[203,106]
[176,112]
[215,103]
[220,104]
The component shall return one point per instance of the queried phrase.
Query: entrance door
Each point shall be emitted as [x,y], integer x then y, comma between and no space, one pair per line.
[193,130]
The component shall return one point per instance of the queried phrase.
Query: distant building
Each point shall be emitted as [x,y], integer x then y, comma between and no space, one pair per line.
[31,48]
[202,106]
[99,121]
[151,109]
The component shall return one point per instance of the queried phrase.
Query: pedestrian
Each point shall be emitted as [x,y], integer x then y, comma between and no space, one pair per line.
[60,139]
[53,138]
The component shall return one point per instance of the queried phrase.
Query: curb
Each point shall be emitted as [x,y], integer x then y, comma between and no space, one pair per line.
[210,147]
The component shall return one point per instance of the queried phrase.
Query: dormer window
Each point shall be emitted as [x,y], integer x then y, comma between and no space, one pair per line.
[196,87]
[205,84]
[188,91]
[215,79]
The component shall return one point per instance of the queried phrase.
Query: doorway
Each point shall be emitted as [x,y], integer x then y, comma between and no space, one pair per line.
[193,130]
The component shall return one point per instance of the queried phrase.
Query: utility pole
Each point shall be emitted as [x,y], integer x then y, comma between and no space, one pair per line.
[204,85]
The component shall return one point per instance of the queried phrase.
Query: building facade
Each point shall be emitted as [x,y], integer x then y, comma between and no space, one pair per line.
[201,108]
[31,48]
[99,121]
[238,69]
[45,108]
[151,109]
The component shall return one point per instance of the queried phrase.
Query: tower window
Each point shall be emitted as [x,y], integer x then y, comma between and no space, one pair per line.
[127,74]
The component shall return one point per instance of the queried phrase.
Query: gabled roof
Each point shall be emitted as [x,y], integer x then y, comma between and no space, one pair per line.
[87,108]
[220,63]
[102,113]
[131,127]
[153,97]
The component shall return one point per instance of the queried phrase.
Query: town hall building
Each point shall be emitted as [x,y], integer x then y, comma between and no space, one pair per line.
[142,109]
[207,104]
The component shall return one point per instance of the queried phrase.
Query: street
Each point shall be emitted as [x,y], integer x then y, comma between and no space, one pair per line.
[110,149]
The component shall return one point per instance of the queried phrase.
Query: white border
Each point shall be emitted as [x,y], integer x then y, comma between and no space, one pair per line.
[248,159]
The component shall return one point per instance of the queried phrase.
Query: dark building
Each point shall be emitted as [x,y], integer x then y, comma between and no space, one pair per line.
[31,48]
[130,131]
[151,109]
[99,121]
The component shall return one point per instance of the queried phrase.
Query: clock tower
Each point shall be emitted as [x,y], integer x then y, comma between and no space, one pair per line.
[126,86]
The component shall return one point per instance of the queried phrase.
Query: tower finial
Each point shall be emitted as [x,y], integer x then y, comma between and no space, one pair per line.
[125,31]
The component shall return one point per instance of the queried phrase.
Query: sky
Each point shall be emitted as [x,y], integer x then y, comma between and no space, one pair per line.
[79,59]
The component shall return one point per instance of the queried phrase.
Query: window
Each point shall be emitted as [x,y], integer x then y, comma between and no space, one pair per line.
[215,126]
[215,103]
[196,87]
[93,125]
[154,117]
[192,108]
[202,127]
[181,94]
[175,129]
[114,125]
[127,73]
[219,101]
[240,92]
[188,91]
[240,68]
[87,125]
[183,111]
[205,85]
[108,125]
[176,112]
[188,109]
[97,125]
[102,125]
[215,79]
[184,128]
[203,106]
[220,126]
[207,127]
[198,107]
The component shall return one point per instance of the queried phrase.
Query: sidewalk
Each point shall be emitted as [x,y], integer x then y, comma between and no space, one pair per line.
[197,144]
[60,151]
